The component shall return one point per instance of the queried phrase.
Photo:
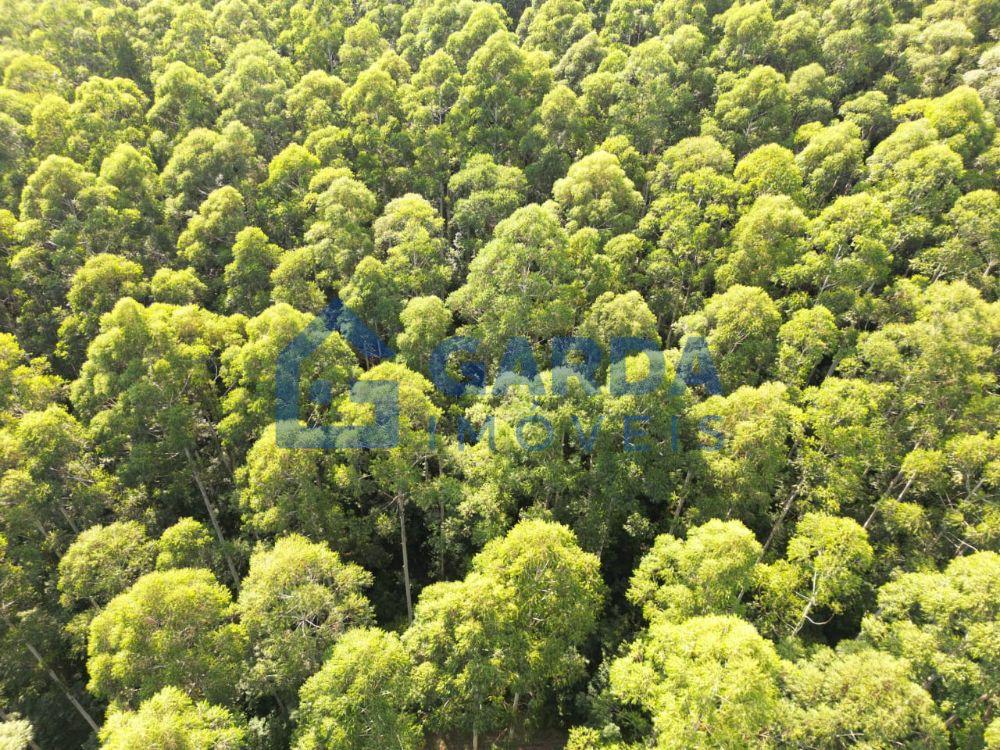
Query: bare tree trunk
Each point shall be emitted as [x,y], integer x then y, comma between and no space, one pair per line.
[899,499]
[680,502]
[804,617]
[400,506]
[781,519]
[441,544]
[62,686]
[214,519]
[69,520]
[281,704]
[987,713]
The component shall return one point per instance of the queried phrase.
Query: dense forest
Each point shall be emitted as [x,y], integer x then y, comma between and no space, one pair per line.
[790,540]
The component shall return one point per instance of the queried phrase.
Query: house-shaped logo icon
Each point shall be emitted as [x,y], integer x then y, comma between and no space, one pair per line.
[290,431]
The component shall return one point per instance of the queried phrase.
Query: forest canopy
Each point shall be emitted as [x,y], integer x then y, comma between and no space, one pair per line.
[789,538]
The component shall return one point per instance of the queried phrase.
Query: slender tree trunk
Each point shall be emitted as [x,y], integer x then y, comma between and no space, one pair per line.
[69,520]
[781,519]
[804,617]
[281,704]
[987,713]
[899,499]
[514,724]
[401,507]
[680,503]
[63,687]
[445,213]
[440,539]
[214,519]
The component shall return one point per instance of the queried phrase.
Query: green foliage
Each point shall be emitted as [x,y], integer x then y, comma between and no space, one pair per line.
[186,544]
[509,631]
[206,244]
[16,734]
[597,193]
[748,469]
[247,276]
[426,322]
[824,570]
[944,623]
[866,694]
[171,627]
[103,562]
[707,573]
[357,700]
[768,238]
[803,193]
[296,601]
[706,682]
[171,719]
[25,384]
[152,366]
[181,287]
[741,326]
[248,371]
[96,287]
[523,282]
